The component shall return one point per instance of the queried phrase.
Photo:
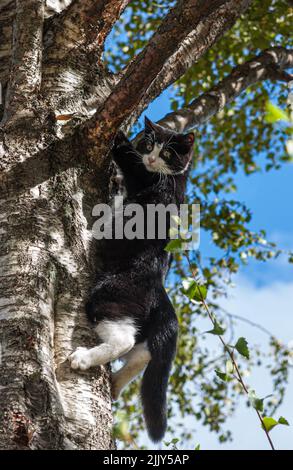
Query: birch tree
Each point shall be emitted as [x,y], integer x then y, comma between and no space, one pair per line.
[61,107]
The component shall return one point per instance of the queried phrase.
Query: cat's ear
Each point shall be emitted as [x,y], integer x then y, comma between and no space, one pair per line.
[150,126]
[189,138]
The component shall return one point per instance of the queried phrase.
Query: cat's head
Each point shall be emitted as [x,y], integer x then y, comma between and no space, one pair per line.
[164,151]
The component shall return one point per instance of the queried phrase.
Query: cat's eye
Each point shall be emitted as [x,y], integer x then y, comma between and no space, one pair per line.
[166,153]
[149,147]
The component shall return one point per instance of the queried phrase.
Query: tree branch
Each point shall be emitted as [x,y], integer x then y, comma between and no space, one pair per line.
[180,21]
[194,46]
[269,65]
[25,73]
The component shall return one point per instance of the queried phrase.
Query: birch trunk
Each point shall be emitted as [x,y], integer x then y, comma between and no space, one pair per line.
[46,267]
[47,258]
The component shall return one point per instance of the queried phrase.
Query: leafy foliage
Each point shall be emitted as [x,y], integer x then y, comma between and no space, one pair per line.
[247,137]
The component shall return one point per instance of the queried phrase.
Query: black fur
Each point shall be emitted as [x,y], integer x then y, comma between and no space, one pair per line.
[131,283]
[162,336]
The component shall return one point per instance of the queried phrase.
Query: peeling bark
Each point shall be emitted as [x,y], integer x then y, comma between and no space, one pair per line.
[25,70]
[7,13]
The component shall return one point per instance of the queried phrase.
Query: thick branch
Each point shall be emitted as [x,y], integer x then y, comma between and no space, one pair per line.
[194,46]
[25,74]
[269,65]
[180,21]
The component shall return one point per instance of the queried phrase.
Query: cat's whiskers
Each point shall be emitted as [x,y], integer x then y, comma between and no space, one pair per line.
[167,169]
[170,146]
[168,141]
[184,168]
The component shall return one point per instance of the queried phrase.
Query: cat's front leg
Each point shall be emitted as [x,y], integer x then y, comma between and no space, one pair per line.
[84,358]
[125,155]
[121,148]
[129,161]
[120,139]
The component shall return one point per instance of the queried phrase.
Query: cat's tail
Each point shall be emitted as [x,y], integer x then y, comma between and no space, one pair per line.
[162,337]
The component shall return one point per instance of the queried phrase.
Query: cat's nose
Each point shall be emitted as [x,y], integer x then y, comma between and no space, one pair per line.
[151,159]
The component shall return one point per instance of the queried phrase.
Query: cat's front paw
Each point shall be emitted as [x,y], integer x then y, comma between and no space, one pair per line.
[80,359]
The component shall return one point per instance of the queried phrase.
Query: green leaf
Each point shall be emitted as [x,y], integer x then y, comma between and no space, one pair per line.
[175,440]
[176,219]
[197,447]
[275,114]
[256,403]
[193,290]
[217,330]
[174,246]
[200,293]
[269,423]
[189,287]
[242,347]
[222,375]
[283,420]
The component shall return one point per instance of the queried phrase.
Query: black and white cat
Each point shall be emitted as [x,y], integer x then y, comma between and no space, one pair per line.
[134,317]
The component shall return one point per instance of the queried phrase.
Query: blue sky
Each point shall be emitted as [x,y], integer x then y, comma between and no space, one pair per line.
[263,293]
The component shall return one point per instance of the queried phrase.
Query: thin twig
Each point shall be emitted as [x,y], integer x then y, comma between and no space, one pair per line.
[228,350]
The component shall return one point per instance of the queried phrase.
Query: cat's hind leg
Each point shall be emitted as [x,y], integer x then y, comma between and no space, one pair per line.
[136,360]
[118,337]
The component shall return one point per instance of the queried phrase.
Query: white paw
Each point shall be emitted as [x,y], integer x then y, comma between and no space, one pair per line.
[80,359]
